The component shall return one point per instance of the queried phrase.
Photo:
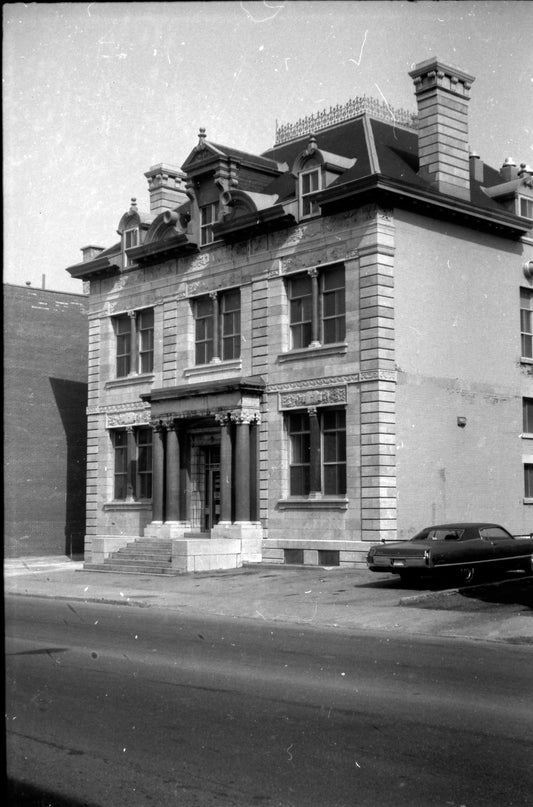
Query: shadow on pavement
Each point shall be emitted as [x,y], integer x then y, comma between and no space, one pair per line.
[20,794]
[517,591]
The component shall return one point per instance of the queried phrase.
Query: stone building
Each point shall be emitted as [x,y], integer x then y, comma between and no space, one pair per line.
[297,353]
[45,427]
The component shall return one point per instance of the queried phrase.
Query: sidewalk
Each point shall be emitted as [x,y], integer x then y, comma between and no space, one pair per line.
[343,599]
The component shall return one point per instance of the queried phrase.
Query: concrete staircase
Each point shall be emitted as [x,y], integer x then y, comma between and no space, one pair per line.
[142,556]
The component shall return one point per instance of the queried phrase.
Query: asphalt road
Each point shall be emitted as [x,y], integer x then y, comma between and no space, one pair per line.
[126,707]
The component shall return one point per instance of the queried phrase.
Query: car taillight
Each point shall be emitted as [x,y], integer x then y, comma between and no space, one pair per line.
[426,556]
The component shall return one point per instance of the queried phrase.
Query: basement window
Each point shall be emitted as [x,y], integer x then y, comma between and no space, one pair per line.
[293,556]
[328,557]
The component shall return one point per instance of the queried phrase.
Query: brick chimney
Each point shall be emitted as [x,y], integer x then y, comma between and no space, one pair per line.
[442,94]
[166,186]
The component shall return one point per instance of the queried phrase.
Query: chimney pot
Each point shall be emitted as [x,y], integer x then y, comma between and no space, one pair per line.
[508,171]
[476,167]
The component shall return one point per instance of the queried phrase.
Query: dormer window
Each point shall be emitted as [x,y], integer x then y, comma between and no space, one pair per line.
[130,238]
[525,207]
[310,181]
[208,217]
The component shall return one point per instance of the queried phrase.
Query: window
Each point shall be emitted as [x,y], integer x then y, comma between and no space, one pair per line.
[293,556]
[135,342]
[317,463]
[526,323]
[133,463]
[217,326]
[309,183]
[526,207]
[317,307]
[528,481]
[208,217]
[527,408]
[130,238]
[328,557]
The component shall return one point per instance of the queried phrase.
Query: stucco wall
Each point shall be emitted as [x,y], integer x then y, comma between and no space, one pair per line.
[458,355]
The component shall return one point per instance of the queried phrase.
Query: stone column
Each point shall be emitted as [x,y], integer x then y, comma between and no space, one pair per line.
[315,335]
[242,468]
[158,472]
[172,473]
[314,452]
[132,464]
[133,343]
[226,462]
[216,321]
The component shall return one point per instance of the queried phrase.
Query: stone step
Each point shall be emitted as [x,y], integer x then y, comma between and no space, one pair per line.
[134,552]
[133,570]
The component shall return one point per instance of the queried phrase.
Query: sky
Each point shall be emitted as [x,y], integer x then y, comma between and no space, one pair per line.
[94,94]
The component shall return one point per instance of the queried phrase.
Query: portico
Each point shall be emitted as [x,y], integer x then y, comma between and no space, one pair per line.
[205,461]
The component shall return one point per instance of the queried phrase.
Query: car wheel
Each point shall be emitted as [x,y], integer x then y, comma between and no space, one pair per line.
[466,574]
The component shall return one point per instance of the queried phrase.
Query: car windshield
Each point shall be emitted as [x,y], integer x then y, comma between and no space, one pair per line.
[439,534]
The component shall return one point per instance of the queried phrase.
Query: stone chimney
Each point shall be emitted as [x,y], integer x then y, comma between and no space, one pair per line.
[166,186]
[90,252]
[442,94]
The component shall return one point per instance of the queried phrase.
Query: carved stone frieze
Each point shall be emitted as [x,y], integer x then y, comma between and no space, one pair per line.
[127,419]
[121,408]
[332,381]
[312,397]
[211,284]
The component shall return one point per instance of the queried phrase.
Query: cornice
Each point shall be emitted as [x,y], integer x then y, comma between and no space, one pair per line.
[392,193]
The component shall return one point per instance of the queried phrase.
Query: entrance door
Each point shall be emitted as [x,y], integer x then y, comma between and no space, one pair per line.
[211,514]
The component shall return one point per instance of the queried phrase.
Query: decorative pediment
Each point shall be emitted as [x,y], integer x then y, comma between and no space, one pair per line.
[168,224]
[312,156]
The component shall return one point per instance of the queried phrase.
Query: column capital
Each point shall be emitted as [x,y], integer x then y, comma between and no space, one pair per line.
[243,416]
[157,424]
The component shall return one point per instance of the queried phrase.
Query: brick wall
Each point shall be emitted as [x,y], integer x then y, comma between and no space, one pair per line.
[45,397]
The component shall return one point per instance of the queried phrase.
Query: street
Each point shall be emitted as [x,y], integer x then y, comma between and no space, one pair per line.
[111,706]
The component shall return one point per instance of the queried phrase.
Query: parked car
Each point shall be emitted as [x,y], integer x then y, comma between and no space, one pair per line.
[459,549]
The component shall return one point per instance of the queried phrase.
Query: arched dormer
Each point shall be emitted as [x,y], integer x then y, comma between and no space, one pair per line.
[235,204]
[131,228]
[168,224]
[314,169]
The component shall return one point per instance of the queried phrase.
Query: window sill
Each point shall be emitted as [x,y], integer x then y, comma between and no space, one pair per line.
[304,503]
[213,368]
[528,500]
[527,436]
[145,378]
[118,505]
[525,360]
[339,348]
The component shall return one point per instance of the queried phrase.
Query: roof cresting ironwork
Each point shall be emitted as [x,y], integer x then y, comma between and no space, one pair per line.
[343,112]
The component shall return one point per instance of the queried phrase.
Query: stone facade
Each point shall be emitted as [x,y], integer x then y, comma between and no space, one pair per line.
[322,318]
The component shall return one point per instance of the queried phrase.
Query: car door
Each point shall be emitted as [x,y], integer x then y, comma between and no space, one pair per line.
[503,545]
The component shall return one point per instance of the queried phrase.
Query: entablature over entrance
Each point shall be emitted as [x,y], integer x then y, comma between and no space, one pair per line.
[235,400]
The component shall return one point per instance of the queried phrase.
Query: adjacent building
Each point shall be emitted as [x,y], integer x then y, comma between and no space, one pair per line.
[45,426]
[297,353]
